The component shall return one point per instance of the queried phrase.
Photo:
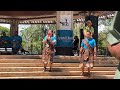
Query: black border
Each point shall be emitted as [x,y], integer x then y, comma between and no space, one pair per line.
[61,84]
[60,5]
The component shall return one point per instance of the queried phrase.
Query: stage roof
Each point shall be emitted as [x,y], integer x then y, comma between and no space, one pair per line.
[25,16]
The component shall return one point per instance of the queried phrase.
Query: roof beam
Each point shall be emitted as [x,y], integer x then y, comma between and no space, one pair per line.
[26,13]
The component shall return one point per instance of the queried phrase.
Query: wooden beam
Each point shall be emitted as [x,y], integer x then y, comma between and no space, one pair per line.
[26,13]
[28,17]
[42,17]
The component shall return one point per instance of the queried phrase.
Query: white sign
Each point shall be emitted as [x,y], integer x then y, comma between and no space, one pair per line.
[65,22]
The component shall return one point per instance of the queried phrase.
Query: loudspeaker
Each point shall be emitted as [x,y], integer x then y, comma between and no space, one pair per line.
[94,20]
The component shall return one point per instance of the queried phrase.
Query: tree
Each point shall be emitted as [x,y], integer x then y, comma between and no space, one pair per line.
[102,43]
[33,36]
[7,30]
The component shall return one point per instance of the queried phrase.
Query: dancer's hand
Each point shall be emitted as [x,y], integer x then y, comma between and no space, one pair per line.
[80,55]
[114,50]
[48,38]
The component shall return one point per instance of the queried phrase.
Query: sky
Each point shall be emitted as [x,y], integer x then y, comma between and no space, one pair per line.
[101,28]
[5,25]
[20,26]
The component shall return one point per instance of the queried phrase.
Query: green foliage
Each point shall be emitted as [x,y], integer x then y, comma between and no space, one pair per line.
[34,34]
[102,39]
[102,43]
[7,30]
[101,36]
[76,31]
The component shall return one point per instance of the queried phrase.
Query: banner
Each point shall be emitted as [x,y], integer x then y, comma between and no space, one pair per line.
[64,38]
[65,22]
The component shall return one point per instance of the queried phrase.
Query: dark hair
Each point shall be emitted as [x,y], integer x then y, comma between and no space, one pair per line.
[52,32]
[75,37]
[3,32]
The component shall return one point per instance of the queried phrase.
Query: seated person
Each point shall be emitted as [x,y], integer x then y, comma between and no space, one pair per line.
[16,42]
[23,50]
[5,41]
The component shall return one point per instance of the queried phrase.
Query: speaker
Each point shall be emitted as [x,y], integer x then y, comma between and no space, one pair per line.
[94,20]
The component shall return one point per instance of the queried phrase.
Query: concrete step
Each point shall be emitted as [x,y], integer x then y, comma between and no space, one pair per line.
[63,73]
[31,69]
[20,56]
[62,77]
[20,61]
[64,67]
[55,57]
[54,65]
[55,61]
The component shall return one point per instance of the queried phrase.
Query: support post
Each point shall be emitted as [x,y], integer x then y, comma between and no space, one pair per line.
[64,33]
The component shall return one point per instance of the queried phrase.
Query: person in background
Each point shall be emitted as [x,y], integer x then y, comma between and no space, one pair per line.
[54,35]
[88,27]
[5,41]
[16,41]
[48,51]
[75,45]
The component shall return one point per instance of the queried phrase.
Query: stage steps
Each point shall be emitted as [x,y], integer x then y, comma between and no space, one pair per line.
[27,67]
